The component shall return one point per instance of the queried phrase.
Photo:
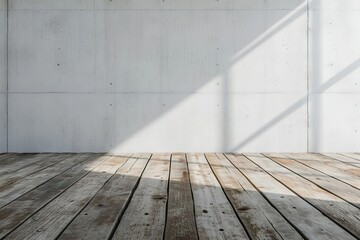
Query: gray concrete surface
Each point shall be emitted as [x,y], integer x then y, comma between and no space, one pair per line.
[154,75]
[3,76]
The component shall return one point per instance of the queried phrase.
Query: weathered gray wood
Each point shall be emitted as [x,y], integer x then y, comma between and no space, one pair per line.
[144,218]
[24,160]
[343,158]
[311,222]
[101,215]
[316,162]
[51,220]
[180,222]
[16,212]
[44,162]
[14,190]
[338,210]
[260,219]
[11,158]
[214,214]
[339,188]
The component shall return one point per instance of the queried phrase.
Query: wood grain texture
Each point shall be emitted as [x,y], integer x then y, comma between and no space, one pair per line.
[215,216]
[98,219]
[145,216]
[340,211]
[16,189]
[323,164]
[26,160]
[355,156]
[261,220]
[338,188]
[180,222]
[179,196]
[16,212]
[344,159]
[51,220]
[11,158]
[9,177]
[311,222]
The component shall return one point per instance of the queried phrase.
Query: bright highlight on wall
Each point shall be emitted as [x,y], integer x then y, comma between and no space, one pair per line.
[154,76]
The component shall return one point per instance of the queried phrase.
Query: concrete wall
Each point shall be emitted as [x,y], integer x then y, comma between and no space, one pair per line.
[3,76]
[169,75]
[334,75]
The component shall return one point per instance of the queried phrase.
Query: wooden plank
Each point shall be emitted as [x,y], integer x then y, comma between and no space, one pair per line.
[51,220]
[14,190]
[214,214]
[339,188]
[23,160]
[307,219]
[344,159]
[316,162]
[180,221]
[355,156]
[98,219]
[5,156]
[338,210]
[261,220]
[16,212]
[11,158]
[10,177]
[330,161]
[144,218]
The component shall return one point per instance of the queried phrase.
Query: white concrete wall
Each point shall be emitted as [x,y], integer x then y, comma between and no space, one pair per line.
[334,75]
[154,75]
[3,76]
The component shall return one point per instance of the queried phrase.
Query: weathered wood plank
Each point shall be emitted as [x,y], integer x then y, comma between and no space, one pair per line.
[343,158]
[355,156]
[214,214]
[51,220]
[98,219]
[11,158]
[145,216]
[24,160]
[16,212]
[10,177]
[180,222]
[14,190]
[316,162]
[311,222]
[339,188]
[338,210]
[261,220]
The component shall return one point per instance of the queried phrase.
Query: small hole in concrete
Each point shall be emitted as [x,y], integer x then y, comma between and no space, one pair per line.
[205,211]
[221,230]
[146,213]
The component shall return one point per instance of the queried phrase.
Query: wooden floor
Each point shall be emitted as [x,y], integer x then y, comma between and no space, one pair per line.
[180,196]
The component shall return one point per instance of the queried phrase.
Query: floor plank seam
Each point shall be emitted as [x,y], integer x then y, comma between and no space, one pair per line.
[304,199]
[227,197]
[268,200]
[117,222]
[192,196]
[85,205]
[339,196]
